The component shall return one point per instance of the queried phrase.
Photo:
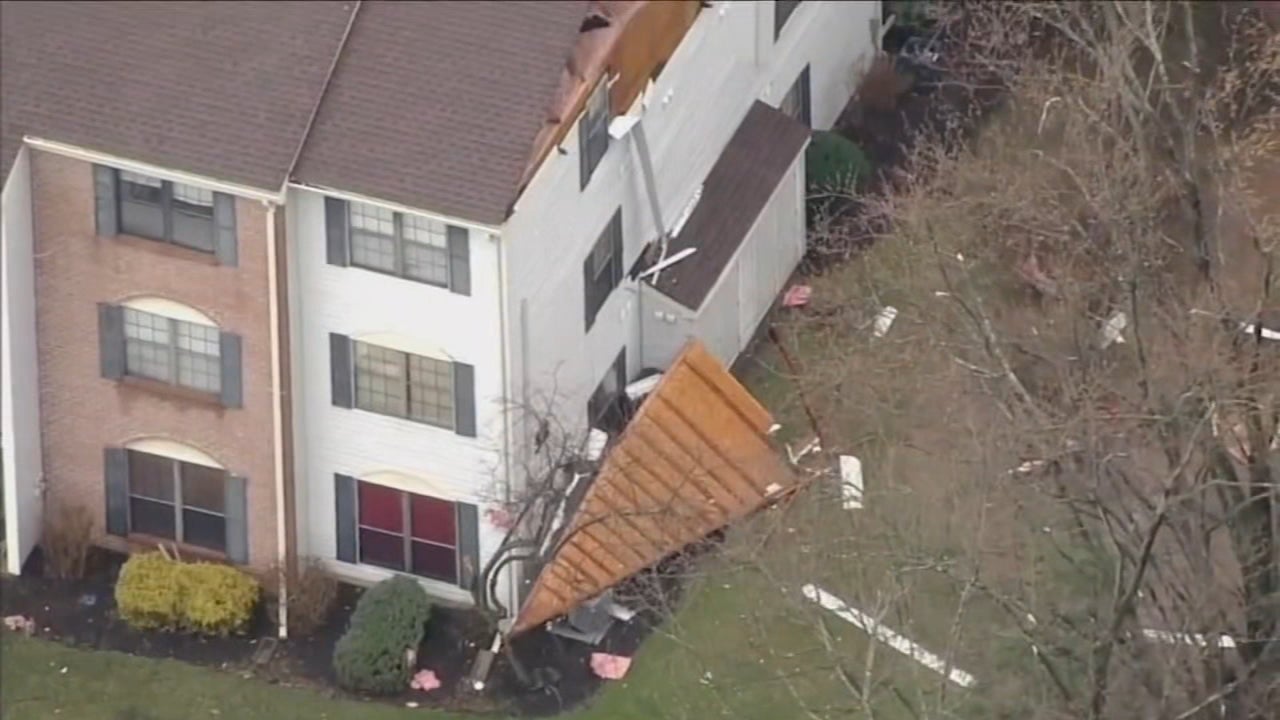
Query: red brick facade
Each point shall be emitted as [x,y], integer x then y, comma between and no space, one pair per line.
[81,412]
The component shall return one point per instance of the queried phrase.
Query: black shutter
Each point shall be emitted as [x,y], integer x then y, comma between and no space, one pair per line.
[344,490]
[806,100]
[464,399]
[232,371]
[116,473]
[459,261]
[224,229]
[335,228]
[588,293]
[615,239]
[236,499]
[468,545]
[106,204]
[340,370]
[111,340]
[584,149]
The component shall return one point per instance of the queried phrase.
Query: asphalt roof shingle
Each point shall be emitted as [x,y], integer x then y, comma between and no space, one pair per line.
[436,105]
[222,89]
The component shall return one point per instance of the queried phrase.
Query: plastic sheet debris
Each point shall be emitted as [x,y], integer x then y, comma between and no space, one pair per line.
[1113,328]
[850,482]
[884,320]
[610,667]
[797,296]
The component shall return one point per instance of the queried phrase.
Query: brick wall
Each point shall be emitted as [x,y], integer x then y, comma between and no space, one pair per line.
[81,412]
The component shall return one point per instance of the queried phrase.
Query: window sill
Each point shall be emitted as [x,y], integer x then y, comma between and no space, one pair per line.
[141,542]
[167,249]
[176,392]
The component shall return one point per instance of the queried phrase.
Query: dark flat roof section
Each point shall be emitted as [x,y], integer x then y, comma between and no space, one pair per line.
[733,196]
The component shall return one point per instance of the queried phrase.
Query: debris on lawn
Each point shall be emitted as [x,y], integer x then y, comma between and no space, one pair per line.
[265,650]
[872,627]
[610,667]
[884,320]
[424,680]
[20,623]
[851,482]
[639,388]
[795,457]
[88,600]
[1113,328]
[1179,638]
[797,296]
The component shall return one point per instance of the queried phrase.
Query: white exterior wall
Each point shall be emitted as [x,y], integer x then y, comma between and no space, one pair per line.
[328,440]
[727,60]
[19,388]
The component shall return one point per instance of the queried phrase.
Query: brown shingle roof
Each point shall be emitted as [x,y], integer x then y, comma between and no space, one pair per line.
[436,105]
[733,195]
[695,457]
[221,89]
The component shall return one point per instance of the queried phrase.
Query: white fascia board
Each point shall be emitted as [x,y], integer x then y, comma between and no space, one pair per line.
[356,197]
[163,173]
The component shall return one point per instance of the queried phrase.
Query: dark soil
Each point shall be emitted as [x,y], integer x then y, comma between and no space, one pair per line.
[558,676]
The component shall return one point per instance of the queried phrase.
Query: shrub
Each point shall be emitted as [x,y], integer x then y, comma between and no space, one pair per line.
[882,85]
[834,164]
[312,594]
[377,653]
[156,593]
[68,533]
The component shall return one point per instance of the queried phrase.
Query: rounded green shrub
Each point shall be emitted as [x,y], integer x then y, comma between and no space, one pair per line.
[835,164]
[376,655]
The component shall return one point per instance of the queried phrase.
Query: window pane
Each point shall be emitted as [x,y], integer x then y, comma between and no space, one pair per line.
[373,251]
[380,380]
[151,518]
[198,199]
[431,390]
[193,229]
[427,263]
[204,529]
[147,339]
[433,520]
[199,350]
[141,200]
[424,231]
[436,562]
[203,487]
[150,476]
[372,219]
[381,549]
[381,508]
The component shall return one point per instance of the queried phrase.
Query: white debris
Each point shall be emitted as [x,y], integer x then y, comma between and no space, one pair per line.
[851,482]
[642,387]
[812,447]
[596,441]
[773,429]
[873,627]
[1113,328]
[1222,641]
[884,320]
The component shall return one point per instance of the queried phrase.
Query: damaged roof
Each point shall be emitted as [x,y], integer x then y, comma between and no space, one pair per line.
[762,149]
[434,105]
[695,457]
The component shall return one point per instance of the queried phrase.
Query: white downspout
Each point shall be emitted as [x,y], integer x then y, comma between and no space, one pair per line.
[277,425]
[504,346]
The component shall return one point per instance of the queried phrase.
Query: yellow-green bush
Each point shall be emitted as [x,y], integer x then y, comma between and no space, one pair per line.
[156,593]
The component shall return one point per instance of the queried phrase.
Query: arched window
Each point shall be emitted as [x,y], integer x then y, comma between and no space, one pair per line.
[172,343]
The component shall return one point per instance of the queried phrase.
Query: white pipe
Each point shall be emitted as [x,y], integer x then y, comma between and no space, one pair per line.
[507,431]
[277,424]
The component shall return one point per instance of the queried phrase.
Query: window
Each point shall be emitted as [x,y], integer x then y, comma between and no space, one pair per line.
[396,383]
[601,407]
[410,246]
[593,132]
[172,351]
[782,10]
[167,211]
[409,533]
[176,500]
[602,270]
[796,103]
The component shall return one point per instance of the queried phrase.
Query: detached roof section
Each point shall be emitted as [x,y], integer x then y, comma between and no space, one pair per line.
[221,89]
[695,458]
[736,190]
[435,105]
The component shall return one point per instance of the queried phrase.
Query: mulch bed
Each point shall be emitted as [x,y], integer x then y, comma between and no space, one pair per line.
[82,613]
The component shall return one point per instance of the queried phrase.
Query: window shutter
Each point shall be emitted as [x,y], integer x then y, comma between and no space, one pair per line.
[340,370]
[116,473]
[584,152]
[236,498]
[344,488]
[615,239]
[588,293]
[224,229]
[459,261]
[468,545]
[232,371]
[464,399]
[111,340]
[107,208]
[335,227]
